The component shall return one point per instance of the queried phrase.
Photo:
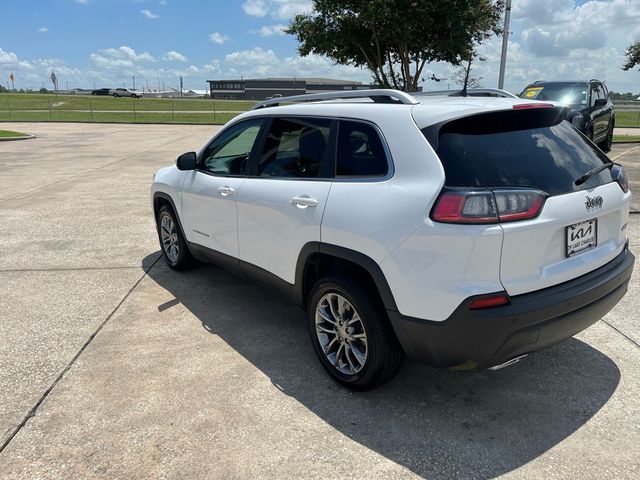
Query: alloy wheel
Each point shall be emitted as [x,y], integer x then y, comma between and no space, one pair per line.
[341,334]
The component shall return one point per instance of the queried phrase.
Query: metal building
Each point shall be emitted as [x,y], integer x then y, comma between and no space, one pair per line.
[260,89]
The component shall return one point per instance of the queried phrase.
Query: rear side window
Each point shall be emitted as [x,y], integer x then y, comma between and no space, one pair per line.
[360,151]
[519,148]
[296,147]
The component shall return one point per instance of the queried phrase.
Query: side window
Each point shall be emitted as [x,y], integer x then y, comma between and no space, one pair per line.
[229,153]
[360,151]
[596,93]
[295,147]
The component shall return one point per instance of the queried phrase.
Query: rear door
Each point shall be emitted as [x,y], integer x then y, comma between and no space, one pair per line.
[580,227]
[281,203]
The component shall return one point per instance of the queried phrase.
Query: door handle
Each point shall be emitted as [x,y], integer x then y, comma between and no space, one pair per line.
[304,201]
[226,190]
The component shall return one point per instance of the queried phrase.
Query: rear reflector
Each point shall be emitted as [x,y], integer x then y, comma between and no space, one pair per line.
[487,206]
[491,301]
[525,106]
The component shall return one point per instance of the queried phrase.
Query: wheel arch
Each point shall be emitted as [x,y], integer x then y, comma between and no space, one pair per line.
[317,259]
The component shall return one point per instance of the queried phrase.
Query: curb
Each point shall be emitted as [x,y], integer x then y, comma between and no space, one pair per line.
[21,137]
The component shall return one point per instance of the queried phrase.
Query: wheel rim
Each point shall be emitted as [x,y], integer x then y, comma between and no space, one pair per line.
[341,334]
[169,237]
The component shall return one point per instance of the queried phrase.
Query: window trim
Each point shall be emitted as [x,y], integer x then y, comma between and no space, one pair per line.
[252,154]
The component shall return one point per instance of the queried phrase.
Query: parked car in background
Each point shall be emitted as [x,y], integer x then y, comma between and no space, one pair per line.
[101,91]
[592,110]
[125,92]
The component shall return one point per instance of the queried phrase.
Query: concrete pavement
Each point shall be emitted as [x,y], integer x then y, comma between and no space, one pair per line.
[114,366]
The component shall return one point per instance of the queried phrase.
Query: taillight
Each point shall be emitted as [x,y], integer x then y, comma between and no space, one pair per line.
[487,206]
[620,176]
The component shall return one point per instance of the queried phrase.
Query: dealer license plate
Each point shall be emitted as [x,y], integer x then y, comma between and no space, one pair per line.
[582,236]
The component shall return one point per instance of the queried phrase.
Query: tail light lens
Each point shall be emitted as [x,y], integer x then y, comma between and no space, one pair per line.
[490,301]
[620,176]
[487,206]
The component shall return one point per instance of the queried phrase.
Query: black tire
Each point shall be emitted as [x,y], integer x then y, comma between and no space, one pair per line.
[605,145]
[384,354]
[115,94]
[183,260]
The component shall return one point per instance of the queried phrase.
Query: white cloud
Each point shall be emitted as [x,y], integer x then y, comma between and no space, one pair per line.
[8,58]
[43,30]
[218,38]
[285,9]
[82,2]
[174,56]
[123,57]
[255,8]
[280,9]
[149,14]
[255,57]
[270,30]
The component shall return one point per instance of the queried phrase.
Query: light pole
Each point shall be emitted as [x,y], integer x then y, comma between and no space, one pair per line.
[505,42]
[133,78]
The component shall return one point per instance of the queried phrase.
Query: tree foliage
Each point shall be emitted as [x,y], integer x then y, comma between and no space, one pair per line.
[633,56]
[395,39]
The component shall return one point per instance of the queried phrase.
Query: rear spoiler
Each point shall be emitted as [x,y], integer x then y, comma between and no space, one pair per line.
[521,116]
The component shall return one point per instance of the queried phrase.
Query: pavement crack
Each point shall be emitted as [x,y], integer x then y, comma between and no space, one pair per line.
[32,412]
[623,334]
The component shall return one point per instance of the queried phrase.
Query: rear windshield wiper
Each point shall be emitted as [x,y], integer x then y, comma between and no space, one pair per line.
[593,172]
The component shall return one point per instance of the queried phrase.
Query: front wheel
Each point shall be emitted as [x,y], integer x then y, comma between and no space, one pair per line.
[351,334]
[173,244]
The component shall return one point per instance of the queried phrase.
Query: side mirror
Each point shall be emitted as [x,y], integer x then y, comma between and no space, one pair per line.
[600,102]
[186,161]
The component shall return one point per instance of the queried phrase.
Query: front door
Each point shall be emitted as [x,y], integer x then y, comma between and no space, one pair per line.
[209,193]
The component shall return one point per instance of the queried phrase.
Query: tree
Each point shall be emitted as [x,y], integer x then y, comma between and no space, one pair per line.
[462,76]
[633,56]
[395,39]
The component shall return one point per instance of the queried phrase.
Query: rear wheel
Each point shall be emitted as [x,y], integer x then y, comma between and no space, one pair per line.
[173,244]
[351,334]
[115,94]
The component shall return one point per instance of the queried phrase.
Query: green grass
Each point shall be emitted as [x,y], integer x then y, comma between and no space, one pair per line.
[10,134]
[627,119]
[37,107]
[626,138]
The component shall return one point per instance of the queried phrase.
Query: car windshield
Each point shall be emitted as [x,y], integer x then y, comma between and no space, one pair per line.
[567,94]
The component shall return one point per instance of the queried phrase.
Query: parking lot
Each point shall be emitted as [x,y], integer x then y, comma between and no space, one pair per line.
[114,366]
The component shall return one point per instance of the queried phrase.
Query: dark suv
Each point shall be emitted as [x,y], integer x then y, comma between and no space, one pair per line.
[591,108]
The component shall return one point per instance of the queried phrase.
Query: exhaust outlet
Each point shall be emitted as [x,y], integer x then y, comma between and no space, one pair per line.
[508,363]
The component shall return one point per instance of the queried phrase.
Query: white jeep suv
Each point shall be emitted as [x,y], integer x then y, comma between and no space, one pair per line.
[463,231]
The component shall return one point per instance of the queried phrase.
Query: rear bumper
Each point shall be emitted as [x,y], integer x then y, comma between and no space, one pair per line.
[483,338]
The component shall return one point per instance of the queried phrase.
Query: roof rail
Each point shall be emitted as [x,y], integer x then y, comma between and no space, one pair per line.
[377,95]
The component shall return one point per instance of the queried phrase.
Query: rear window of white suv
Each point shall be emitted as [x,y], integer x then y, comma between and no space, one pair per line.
[521,148]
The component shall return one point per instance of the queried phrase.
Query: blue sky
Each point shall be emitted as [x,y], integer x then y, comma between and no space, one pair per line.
[105,42]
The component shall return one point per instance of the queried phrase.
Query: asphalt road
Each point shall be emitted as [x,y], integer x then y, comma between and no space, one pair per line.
[113,366]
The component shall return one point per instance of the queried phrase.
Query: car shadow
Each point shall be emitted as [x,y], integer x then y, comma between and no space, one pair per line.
[433,422]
